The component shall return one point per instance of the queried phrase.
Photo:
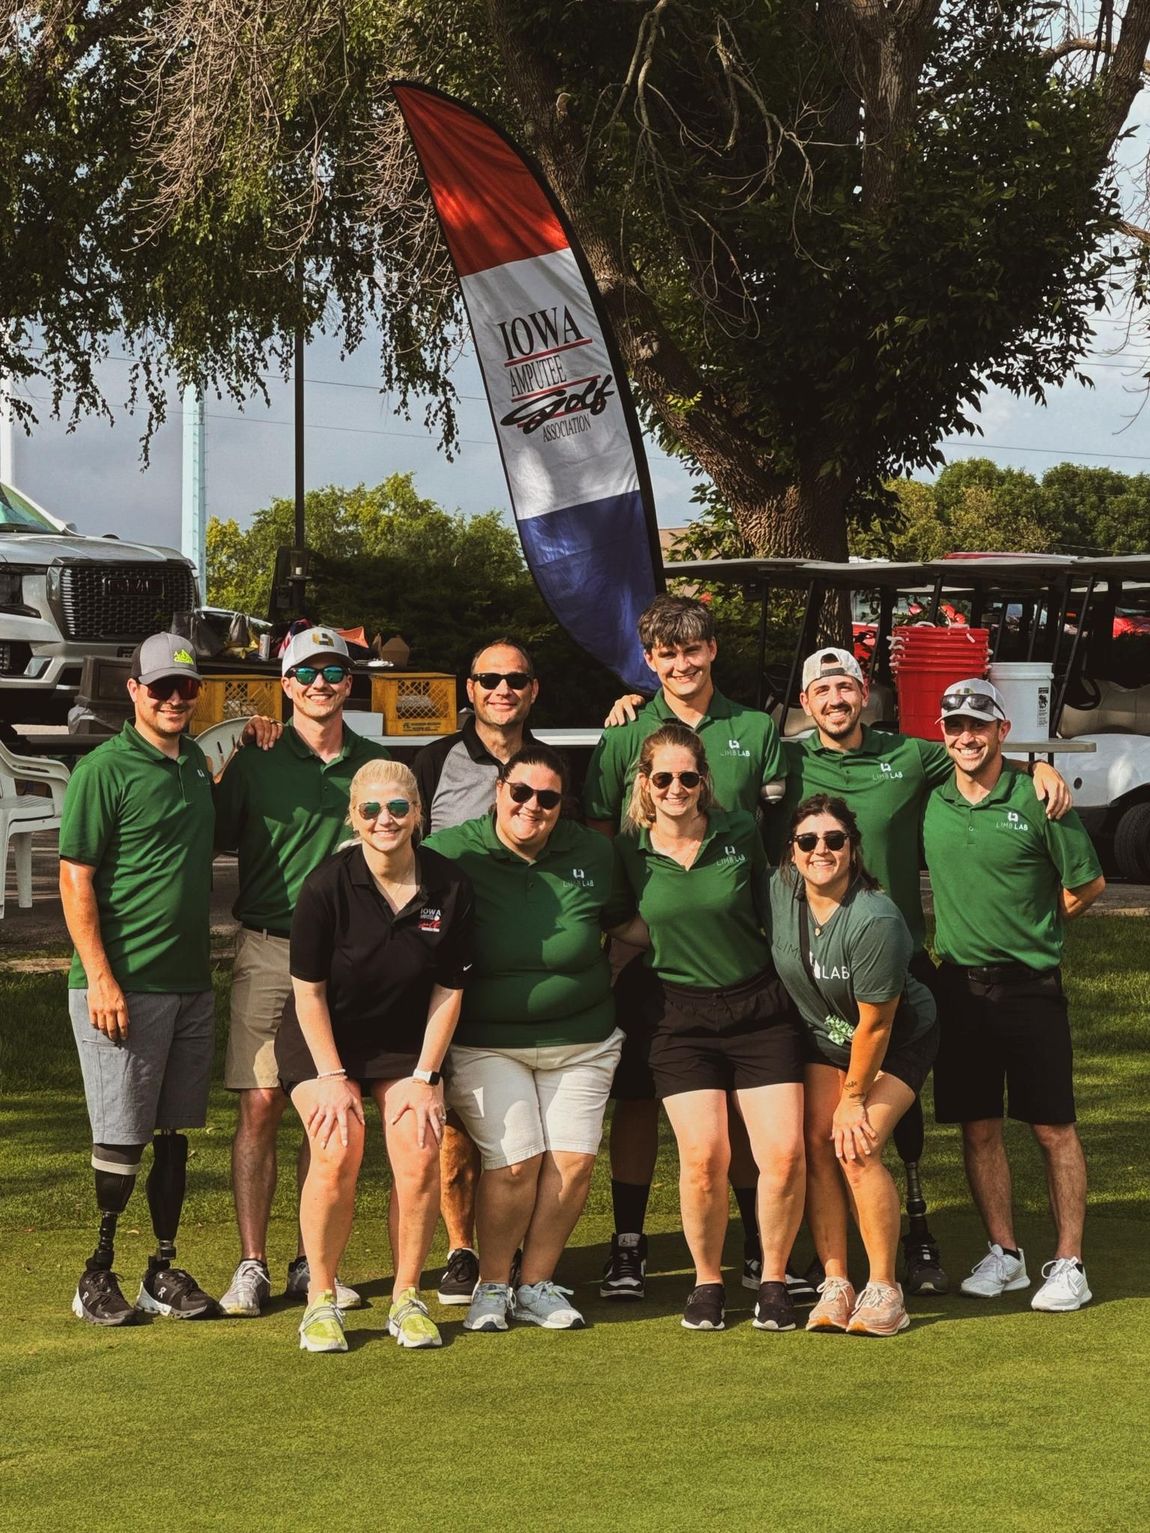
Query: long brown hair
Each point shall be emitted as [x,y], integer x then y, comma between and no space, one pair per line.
[840,810]
[641,809]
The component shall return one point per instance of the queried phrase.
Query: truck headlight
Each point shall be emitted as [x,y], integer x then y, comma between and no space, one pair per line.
[11,588]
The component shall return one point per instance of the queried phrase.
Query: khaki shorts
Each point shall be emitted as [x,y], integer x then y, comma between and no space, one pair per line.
[261,985]
[516,1103]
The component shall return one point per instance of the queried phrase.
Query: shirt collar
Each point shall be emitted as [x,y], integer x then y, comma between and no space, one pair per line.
[301,749]
[359,873]
[997,795]
[870,745]
[474,746]
[131,739]
[720,708]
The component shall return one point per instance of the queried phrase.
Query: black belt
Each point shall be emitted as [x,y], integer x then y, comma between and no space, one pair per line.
[264,931]
[1001,973]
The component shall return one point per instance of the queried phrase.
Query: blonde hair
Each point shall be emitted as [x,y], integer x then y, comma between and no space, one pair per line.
[641,809]
[387,774]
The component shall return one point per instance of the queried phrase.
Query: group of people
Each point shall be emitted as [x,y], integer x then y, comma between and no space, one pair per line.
[492,969]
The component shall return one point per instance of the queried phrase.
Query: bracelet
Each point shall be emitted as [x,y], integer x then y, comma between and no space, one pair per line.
[328,1075]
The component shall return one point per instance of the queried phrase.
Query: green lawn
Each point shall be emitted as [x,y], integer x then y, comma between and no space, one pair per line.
[981,1412]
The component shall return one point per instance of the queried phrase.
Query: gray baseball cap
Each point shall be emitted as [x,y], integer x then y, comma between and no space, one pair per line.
[164,654]
[973,699]
[322,645]
[830,662]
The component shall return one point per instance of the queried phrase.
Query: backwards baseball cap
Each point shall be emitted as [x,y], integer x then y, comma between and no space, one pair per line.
[164,654]
[973,699]
[830,662]
[321,644]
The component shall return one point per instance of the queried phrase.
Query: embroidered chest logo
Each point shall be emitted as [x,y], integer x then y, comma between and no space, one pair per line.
[1013,821]
[735,749]
[731,857]
[430,919]
[580,877]
[887,773]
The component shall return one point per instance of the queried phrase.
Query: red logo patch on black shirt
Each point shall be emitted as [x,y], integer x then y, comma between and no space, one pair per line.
[430,919]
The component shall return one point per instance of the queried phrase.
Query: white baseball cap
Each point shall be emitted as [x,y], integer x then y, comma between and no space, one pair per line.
[973,699]
[321,644]
[830,662]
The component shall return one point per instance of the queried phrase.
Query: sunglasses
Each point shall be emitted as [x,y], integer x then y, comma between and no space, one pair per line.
[516,680]
[396,808]
[665,779]
[980,700]
[185,687]
[332,674]
[523,793]
[833,840]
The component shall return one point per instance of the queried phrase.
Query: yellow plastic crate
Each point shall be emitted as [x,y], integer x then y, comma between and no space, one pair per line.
[414,703]
[236,697]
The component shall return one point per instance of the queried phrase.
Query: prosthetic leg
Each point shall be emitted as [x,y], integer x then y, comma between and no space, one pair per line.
[167,1289]
[98,1298]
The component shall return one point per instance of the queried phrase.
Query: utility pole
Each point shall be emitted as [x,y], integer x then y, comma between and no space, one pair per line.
[193,501]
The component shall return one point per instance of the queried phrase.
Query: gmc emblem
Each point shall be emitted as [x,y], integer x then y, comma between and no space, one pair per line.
[125,584]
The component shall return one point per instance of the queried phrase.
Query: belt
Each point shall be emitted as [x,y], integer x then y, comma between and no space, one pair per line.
[1002,973]
[265,931]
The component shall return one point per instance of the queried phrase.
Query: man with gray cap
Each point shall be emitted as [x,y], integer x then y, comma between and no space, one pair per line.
[135,881]
[1005,880]
[886,779]
[282,809]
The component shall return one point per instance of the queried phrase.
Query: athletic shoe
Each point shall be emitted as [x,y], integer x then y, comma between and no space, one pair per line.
[99,1300]
[995,1274]
[752,1264]
[299,1281]
[546,1304]
[774,1310]
[835,1306]
[705,1310]
[490,1304]
[172,1291]
[1064,1289]
[409,1322]
[321,1329]
[879,1311]
[805,1289]
[249,1290]
[459,1276]
[625,1273]
[922,1269]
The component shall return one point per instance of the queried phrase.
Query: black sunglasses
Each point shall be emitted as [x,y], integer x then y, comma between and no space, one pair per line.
[833,840]
[332,674]
[516,680]
[396,807]
[186,688]
[665,779]
[523,793]
[980,700]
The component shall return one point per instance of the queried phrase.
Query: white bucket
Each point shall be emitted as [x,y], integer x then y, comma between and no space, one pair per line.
[1026,687]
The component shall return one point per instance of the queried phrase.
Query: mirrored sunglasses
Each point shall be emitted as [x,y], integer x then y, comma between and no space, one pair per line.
[185,687]
[518,681]
[523,793]
[397,808]
[983,701]
[665,779]
[332,674]
[833,840]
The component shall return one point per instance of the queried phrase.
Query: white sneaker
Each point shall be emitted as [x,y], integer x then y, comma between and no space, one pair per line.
[546,1304]
[1065,1287]
[249,1290]
[488,1309]
[995,1274]
[299,1281]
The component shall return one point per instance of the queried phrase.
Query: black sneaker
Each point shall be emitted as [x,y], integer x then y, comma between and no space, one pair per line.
[705,1308]
[172,1291]
[625,1273]
[805,1289]
[752,1264]
[99,1300]
[774,1310]
[922,1269]
[459,1276]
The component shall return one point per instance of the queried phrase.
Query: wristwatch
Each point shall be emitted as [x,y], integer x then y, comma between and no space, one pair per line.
[428,1077]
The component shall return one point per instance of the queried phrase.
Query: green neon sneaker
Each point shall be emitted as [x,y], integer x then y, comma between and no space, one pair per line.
[409,1322]
[321,1329]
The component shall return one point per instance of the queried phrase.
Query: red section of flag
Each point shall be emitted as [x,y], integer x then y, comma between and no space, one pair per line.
[490,205]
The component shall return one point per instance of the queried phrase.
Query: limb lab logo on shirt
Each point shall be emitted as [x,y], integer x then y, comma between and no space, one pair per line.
[734,748]
[430,919]
[580,877]
[836,971]
[731,857]
[887,773]
[1013,821]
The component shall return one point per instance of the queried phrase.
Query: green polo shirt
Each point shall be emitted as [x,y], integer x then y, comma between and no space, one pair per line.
[706,921]
[284,811]
[886,782]
[143,820]
[742,746]
[861,954]
[540,975]
[997,869]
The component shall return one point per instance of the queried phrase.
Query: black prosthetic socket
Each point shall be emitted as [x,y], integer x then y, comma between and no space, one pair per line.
[746,1198]
[115,1167]
[167,1182]
[909,1134]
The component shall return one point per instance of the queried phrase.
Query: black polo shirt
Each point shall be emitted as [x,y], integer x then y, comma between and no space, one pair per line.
[380,968]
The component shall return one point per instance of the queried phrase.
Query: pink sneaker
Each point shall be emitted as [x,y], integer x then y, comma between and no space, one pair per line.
[879,1311]
[833,1310]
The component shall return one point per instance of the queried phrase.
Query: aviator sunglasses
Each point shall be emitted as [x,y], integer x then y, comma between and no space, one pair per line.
[489,680]
[980,700]
[662,780]
[396,807]
[833,840]
[523,793]
[306,674]
[185,687]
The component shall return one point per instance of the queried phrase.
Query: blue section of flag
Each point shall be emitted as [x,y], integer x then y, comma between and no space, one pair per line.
[593,565]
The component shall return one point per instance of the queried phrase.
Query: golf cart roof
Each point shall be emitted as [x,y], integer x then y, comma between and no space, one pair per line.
[962,573]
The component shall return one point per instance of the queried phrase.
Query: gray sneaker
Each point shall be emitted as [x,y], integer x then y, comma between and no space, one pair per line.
[249,1290]
[490,1304]
[299,1280]
[546,1304]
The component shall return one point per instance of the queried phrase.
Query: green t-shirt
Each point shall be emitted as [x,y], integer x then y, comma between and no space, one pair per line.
[143,820]
[997,869]
[284,811]
[706,921]
[886,783]
[742,746]
[861,954]
[541,975]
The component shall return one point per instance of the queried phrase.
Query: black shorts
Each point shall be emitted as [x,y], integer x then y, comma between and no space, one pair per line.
[364,1061]
[732,1039]
[910,1061]
[1015,1033]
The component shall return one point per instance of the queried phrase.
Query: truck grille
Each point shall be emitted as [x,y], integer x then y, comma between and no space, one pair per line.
[119,603]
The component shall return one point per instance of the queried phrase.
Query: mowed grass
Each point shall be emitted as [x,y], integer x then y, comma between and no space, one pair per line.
[982,1412]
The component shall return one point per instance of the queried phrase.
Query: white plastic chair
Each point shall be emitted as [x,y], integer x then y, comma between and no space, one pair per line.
[23,814]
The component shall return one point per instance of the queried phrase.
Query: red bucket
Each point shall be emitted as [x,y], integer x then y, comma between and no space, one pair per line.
[926,662]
